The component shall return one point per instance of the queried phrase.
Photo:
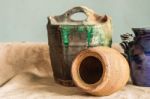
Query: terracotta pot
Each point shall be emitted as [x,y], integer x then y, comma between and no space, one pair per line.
[100,71]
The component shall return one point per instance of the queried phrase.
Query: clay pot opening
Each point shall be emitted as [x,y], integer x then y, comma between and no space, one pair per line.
[91,70]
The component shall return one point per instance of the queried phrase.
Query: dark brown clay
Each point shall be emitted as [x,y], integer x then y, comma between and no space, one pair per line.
[66,38]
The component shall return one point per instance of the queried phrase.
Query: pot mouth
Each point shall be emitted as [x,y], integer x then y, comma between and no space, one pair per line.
[141,31]
[89,70]
[141,28]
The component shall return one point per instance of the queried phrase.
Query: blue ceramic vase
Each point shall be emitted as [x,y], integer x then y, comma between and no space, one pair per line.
[139,57]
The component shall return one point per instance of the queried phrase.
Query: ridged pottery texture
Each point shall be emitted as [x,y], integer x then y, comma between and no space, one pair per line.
[67,37]
[100,71]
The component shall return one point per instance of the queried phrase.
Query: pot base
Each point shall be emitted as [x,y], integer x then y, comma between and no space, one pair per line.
[68,83]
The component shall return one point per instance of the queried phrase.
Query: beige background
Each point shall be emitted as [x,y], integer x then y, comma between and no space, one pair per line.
[26,74]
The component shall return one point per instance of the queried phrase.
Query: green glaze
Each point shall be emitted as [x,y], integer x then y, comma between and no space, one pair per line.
[95,34]
[89,34]
[80,29]
[65,30]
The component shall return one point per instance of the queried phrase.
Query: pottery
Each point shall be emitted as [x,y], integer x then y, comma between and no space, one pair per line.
[139,57]
[127,39]
[67,37]
[100,71]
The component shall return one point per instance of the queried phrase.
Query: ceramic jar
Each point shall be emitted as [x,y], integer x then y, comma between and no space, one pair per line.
[100,71]
[139,57]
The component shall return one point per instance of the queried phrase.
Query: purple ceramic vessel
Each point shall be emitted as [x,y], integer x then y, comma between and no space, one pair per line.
[139,56]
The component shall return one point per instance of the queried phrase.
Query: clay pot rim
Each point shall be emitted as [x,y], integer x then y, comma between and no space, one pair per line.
[76,75]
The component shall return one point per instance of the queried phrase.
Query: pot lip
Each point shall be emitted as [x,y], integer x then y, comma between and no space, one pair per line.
[141,29]
[75,70]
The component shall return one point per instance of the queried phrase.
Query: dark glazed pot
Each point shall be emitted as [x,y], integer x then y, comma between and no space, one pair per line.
[67,37]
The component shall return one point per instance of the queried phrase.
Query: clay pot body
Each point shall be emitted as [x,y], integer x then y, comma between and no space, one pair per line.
[67,37]
[100,71]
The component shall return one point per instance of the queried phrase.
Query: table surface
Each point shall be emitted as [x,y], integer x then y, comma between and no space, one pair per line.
[24,76]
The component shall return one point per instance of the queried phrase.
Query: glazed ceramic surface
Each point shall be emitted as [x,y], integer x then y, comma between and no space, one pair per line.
[68,37]
[140,57]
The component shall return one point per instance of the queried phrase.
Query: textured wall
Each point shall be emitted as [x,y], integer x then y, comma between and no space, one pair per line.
[25,20]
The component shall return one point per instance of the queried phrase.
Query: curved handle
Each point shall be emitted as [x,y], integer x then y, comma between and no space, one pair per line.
[92,17]
[88,12]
